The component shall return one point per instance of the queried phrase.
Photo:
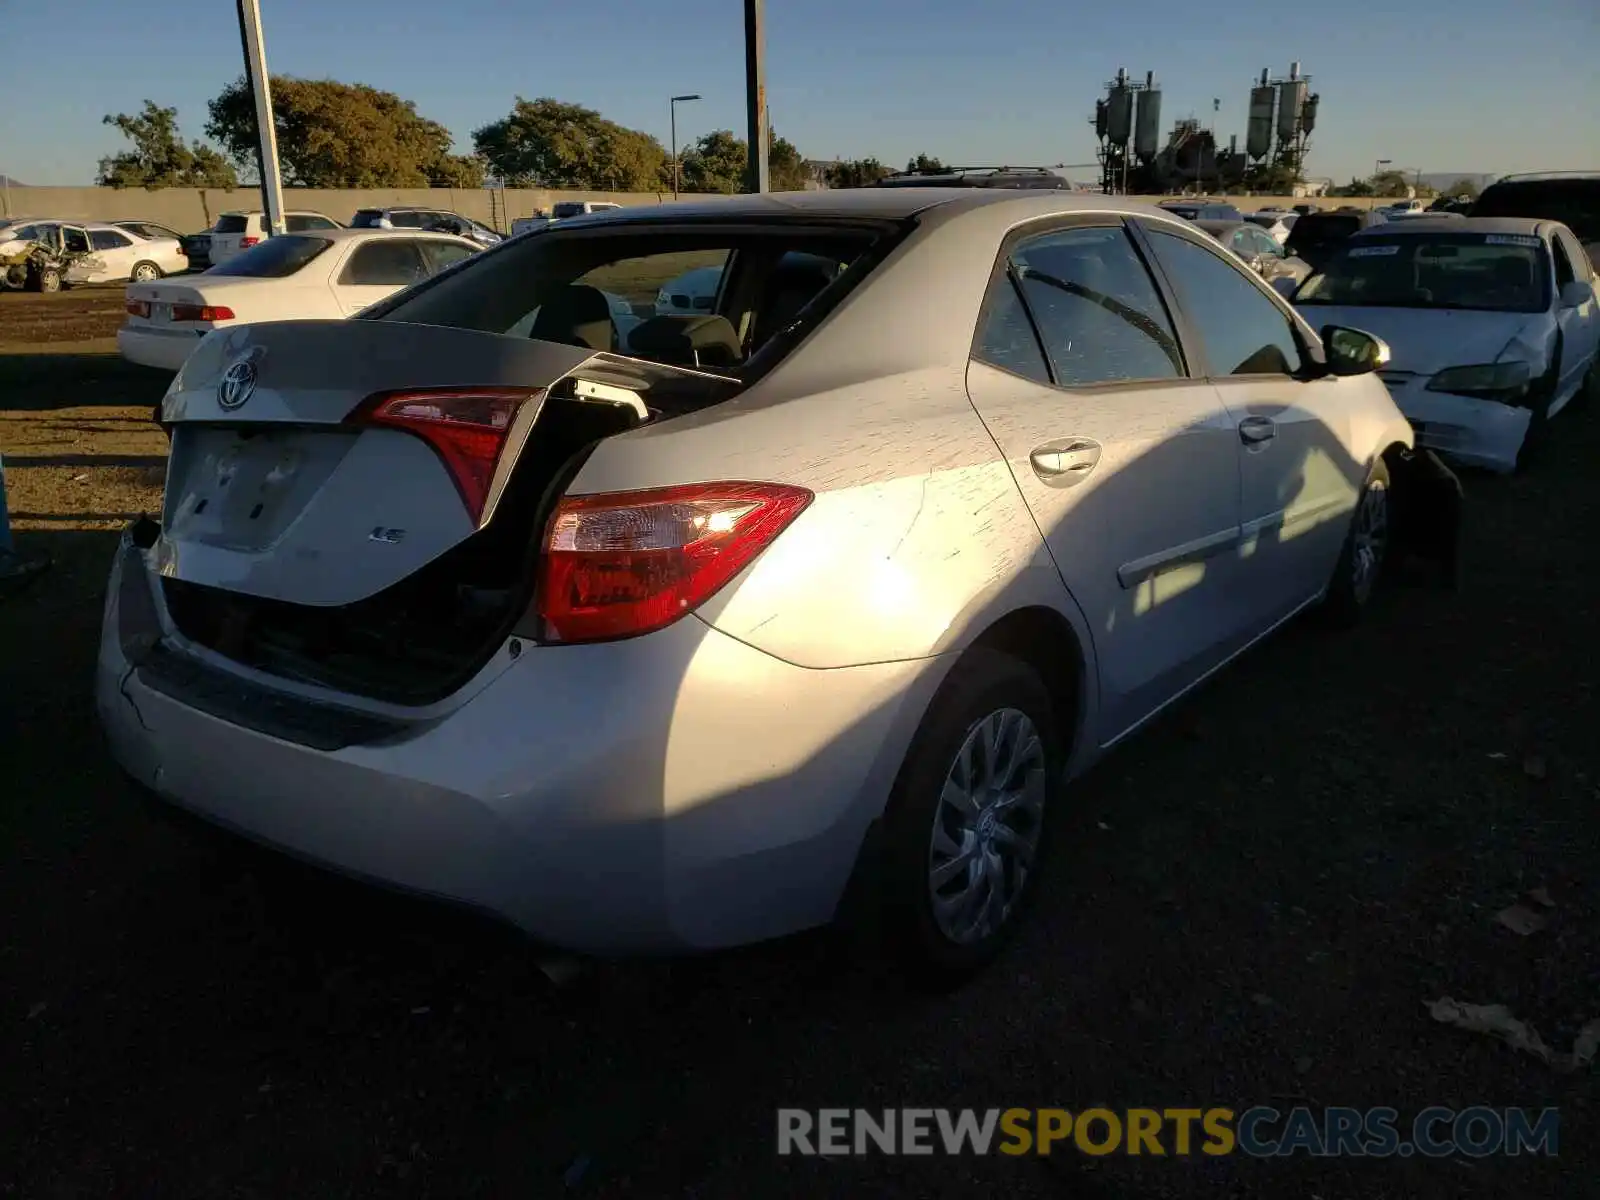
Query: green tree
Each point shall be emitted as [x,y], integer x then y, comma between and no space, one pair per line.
[716,163]
[924,164]
[786,170]
[546,143]
[860,172]
[342,135]
[159,157]
[1389,183]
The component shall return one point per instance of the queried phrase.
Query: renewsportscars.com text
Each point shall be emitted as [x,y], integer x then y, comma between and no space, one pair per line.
[1259,1132]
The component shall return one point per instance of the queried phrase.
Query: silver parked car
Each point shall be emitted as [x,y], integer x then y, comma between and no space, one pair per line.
[809,606]
[1261,252]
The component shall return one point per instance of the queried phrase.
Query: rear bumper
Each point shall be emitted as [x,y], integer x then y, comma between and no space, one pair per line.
[674,792]
[164,349]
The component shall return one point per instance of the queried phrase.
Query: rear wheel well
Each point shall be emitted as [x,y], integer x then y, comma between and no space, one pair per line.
[1046,641]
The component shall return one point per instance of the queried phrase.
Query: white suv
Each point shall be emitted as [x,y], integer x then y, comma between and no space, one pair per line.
[236,232]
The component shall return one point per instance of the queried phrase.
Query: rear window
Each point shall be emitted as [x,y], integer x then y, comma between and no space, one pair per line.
[570,208]
[557,286]
[367,218]
[232,223]
[274,258]
[1573,202]
[1320,228]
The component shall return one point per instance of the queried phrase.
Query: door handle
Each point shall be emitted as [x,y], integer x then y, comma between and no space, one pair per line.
[1254,430]
[1065,463]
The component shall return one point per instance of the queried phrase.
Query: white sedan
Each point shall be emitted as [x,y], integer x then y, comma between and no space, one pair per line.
[1492,321]
[296,276]
[123,254]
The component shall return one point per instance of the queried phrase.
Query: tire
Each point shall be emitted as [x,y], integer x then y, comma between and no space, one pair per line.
[48,280]
[940,940]
[144,272]
[1359,571]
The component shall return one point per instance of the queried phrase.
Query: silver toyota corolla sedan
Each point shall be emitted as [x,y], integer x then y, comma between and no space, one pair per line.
[826,593]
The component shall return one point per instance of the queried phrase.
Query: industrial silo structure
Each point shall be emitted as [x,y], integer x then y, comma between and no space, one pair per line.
[1119,110]
[1147,121]
[1291,102]
[1258,132]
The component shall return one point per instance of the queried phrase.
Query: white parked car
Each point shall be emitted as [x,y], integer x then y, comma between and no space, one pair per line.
[807,608]
[1492,322]
[114,253]
[295,276]
[692,292]
[1275,222]
[236,232]
[149,230]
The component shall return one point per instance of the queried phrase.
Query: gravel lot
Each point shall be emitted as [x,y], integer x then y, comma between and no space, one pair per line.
[1257,897]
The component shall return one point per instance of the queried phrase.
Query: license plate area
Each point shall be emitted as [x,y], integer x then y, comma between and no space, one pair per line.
[240,489]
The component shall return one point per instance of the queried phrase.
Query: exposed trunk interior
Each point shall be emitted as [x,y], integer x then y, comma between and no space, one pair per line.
[420,639]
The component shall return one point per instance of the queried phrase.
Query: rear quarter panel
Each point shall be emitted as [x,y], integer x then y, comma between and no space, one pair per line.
[917,538]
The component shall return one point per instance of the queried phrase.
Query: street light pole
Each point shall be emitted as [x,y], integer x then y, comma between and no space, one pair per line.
[673,105]
[255,69]
[755,82]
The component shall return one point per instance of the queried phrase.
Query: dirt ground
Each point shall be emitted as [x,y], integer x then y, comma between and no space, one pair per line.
[1254,900]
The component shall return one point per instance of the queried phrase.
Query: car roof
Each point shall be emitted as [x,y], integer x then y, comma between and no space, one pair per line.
[1545,177]
[288,212]
[981,209]
[1525,226]
[366,235]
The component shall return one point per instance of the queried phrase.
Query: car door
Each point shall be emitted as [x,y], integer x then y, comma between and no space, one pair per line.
[376,269]
[1580,326]
[75,240]
[116,252]
[1127,463]
[1299,481]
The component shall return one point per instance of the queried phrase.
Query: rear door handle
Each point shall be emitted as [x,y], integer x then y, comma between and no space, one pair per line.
[1067,462]
[1254,430]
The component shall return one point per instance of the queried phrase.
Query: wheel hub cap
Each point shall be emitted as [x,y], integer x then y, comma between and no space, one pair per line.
[986,827]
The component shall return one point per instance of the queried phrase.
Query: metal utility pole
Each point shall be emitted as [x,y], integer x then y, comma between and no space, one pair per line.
[255,72]
[755,82]
[673,104]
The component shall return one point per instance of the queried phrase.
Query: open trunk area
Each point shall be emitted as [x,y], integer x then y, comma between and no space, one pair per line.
[423,637]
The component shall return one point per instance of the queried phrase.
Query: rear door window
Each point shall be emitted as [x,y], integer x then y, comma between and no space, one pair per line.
[109,239]
[1096,308]
[440,255]
[405,218]
[392,262]
[1007,339]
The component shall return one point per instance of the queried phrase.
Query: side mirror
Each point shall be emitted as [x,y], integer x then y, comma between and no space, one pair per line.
[1286,286]
[1352,352]
[1577,293]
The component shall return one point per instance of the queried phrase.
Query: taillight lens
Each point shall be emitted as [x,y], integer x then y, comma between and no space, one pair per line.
[246,242]
[201,312]
[624,563]
[467,427]
[138,308]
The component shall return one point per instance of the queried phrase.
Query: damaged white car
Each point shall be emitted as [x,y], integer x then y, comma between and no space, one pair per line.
[1493,324]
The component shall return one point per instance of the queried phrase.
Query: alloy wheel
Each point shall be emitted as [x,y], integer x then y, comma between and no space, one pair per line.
[986,827]
[1369,539]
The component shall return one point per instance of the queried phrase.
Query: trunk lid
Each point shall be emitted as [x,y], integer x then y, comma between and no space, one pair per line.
[274,492]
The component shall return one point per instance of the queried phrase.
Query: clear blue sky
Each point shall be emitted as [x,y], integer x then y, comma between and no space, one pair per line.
[1469,85]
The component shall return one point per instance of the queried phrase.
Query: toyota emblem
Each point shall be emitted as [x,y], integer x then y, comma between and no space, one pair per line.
[238,382]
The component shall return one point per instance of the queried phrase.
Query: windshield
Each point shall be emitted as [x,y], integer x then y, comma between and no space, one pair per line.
[367,218]
[274,258]
[1573,202]
[545,287]
[1484,272]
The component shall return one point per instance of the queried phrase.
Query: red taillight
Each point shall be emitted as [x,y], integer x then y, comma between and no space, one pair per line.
[624,563]
[467,427]
[138,308]
[201,312]
[246,242]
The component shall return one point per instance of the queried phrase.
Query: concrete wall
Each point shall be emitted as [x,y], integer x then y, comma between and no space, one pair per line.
[190,210]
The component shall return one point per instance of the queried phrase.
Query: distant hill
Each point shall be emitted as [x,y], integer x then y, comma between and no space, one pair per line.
[7,181]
